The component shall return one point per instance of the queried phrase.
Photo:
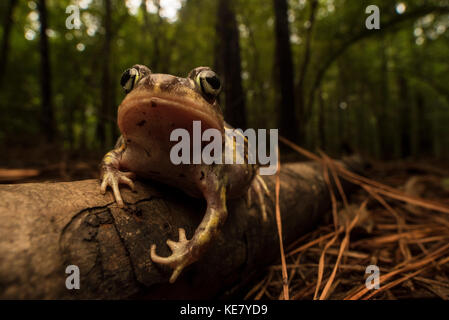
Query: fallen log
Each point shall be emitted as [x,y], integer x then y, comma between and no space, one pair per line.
[45,227]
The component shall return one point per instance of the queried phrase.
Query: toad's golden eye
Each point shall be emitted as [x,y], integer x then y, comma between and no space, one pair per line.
[129,79]
[209,83]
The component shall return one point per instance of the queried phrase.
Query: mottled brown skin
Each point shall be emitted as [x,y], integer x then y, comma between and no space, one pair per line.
[156,105]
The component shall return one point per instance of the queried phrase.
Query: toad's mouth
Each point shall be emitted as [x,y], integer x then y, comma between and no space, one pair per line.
[142,115]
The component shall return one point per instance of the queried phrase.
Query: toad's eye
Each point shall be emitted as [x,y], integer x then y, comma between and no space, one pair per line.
[209,83]
[129,79]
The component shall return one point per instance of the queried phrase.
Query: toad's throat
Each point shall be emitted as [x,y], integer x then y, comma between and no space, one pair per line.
[158,116]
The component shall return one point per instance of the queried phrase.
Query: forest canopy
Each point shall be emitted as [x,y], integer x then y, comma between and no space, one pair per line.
[310,68]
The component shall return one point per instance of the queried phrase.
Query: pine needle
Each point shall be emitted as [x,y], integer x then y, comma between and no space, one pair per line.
[279,225]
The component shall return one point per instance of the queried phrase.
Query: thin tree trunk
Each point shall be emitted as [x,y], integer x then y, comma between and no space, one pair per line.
[156,58]
[152,31]
[7,26]
[341,97]
[303,112]
[106,78]
[284,63]
[404,116]
[70,127]
[146,34]
[424,139]
[385,140]
[322,121]
[256,77]
[362,112]
[230,68]
[47,120]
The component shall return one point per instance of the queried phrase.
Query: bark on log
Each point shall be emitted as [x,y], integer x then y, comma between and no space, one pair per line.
[45,227]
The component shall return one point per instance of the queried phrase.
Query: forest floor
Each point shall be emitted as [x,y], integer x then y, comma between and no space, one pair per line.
[398,221]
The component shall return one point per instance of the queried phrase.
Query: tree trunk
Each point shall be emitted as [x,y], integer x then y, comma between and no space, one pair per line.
[7,26]
[303,112]
[46,227]
[230,68]
[405,110]
[386,141]
[288,125]
[322,122]
[257,78]
[424,139]
[105,106]
[47,120]
[151,34]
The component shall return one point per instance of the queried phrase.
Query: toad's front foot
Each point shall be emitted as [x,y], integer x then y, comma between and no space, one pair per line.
[114,177]
[180,258]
